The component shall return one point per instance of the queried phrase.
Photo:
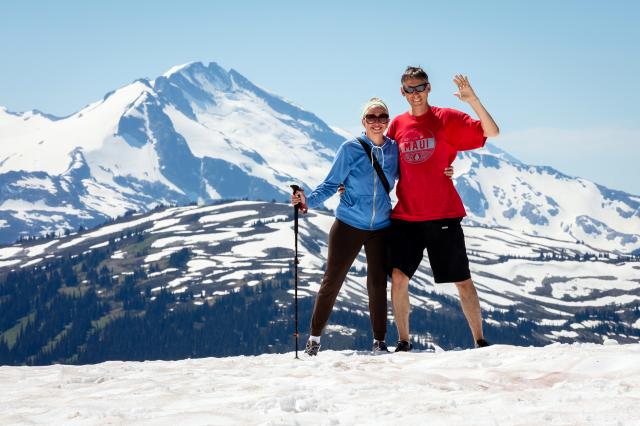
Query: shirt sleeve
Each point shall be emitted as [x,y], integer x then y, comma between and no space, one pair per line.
[463,132]
[339,171]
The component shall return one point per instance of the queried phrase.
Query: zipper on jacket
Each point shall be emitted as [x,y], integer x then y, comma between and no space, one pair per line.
[375,187]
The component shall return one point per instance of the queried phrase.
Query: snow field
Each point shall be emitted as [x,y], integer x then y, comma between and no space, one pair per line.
[581,384]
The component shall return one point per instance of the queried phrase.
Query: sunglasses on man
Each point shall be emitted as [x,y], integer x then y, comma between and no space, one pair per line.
[419,88]
[372,118]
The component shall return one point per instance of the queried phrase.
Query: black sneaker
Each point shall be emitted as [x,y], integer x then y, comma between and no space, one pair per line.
[481,343]
[312,348]
[403,346]
[380,347]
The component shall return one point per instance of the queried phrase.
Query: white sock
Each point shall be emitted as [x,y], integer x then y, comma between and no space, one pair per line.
[315,339]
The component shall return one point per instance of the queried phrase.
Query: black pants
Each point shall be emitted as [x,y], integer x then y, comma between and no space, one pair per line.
[345,243]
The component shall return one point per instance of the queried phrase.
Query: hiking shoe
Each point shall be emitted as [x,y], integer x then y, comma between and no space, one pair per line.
[403,346]
[481,343]
[312,348]
[380,347]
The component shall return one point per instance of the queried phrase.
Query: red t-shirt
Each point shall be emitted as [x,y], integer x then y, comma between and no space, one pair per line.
[428,144]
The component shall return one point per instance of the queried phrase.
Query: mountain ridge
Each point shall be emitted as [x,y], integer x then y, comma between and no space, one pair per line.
[200,133]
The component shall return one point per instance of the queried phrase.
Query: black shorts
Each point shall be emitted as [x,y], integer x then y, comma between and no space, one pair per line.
[444,241]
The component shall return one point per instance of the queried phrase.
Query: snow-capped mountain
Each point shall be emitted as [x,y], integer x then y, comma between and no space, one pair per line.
[196,133]
[201,133]
[499,190]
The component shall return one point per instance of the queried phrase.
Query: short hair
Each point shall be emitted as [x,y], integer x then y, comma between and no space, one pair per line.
[414,72]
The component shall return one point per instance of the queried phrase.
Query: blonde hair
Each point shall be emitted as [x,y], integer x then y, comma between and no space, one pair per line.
[373,102]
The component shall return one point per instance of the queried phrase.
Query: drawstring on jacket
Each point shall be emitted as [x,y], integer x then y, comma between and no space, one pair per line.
[374,146]
[379,148]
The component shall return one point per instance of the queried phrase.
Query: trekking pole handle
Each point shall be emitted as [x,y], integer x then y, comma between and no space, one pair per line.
[302,206]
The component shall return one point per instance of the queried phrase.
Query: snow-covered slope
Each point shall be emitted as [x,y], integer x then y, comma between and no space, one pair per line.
[500,385]
[200,133]
[245,243]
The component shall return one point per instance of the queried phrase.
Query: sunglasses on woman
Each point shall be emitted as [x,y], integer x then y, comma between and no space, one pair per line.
[372,118]
[419,88]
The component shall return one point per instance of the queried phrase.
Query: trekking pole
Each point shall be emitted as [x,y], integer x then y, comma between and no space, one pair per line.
[297,207]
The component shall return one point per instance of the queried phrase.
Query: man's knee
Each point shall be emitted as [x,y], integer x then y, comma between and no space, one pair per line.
[466,288]
[399,281]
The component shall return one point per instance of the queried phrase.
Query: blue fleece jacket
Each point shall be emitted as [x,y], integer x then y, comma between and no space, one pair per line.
[365,203]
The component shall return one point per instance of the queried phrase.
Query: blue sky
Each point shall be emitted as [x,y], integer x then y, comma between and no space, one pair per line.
[559,77]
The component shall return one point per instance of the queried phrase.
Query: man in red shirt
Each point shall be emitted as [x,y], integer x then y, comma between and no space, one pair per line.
[429,209]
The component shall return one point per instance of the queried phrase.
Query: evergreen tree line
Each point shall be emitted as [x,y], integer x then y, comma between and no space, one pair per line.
[549,256]
[71,310]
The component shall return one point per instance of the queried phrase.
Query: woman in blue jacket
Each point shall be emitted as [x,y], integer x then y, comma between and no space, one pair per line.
[361,219]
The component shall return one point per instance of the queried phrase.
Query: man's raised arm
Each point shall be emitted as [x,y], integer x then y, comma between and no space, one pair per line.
[466,94]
